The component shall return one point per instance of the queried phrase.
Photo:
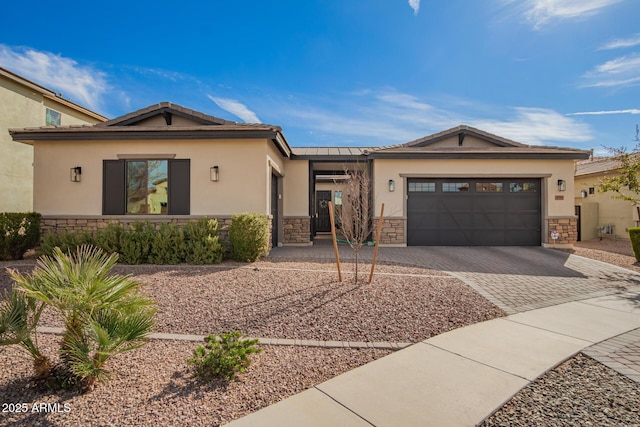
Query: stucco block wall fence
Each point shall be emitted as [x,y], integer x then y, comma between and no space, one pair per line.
[92,224]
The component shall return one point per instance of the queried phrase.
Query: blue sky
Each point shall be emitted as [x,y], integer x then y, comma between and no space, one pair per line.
[348,72]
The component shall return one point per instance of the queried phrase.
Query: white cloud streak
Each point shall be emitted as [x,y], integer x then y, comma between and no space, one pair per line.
[389,117]
[623,71]
[82,84]
[415,5]
[541,12]
[622,43]
[605,112]
[537,126]
[236,108]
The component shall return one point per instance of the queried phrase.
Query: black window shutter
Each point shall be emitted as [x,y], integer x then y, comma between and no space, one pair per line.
[179,186]
[113,187]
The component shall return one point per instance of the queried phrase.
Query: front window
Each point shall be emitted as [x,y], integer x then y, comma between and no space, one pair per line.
[147,186]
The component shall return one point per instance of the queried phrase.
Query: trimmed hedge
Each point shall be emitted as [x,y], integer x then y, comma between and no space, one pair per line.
[249,236]
[634,236]
[141,243]
[202,244]
[19,232]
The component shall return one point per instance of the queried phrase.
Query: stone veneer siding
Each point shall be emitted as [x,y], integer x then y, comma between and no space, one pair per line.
[296,230]
[392,231]
[92,224]
[567,228]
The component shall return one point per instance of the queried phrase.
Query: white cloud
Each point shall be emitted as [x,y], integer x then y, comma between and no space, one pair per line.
[415,5]
[622,71]
[82,84]
[622,43]
[537,126]
[389,117]
[541,12]
[605,112]
[403,100]
[236,108]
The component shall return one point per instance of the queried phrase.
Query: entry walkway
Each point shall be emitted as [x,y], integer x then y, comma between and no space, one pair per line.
[460,377]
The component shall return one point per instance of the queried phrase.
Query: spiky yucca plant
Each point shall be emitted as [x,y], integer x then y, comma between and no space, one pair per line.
[104,314]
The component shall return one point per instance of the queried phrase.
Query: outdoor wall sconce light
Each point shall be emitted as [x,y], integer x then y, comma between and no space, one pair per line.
[215,173]
[584,194]
[76,172]
[392,185]
[562,185]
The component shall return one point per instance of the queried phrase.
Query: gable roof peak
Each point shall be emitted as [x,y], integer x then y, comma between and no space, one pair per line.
[167,110]
[461,131]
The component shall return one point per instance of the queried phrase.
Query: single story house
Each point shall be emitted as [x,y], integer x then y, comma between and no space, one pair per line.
[462,186]
[599,215]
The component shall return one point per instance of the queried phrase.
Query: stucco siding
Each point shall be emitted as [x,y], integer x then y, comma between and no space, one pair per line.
[20,107]
[620,213]
[240,187]
[296,188]
[549,170]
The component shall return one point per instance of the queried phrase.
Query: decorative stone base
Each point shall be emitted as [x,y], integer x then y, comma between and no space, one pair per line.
[296,230]
[567,228]
[95,223]
[392,231]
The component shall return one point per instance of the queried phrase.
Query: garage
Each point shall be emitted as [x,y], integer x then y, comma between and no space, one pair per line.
[474,212]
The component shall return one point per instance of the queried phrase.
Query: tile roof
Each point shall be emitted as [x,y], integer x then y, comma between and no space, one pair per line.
[596,165]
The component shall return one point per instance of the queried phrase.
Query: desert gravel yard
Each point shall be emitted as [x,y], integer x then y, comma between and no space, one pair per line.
[296,300]
[305,301]
[153,387]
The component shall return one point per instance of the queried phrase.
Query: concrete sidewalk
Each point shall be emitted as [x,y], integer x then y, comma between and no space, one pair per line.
[460,377]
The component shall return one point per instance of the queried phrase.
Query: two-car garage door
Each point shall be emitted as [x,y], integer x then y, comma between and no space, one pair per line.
[474,212]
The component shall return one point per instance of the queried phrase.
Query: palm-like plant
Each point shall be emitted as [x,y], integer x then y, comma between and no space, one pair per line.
[19,317]
[104,314]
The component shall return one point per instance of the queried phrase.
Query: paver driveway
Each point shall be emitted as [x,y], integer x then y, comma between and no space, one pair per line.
[516,279]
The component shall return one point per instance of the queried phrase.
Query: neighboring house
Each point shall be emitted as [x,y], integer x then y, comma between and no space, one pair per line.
[24,103]
[599,214]
[462,186]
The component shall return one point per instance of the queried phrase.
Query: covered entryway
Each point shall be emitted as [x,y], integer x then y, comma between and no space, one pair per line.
[473,212]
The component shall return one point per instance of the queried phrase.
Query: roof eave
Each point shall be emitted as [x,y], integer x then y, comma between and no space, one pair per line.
[477,155]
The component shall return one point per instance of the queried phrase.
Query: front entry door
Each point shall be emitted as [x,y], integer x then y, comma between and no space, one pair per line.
[322,220]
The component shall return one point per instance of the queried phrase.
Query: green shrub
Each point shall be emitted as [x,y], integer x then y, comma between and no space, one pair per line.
[19,232]
[65,240]
[634,236]
[135,243]
[249,236]
[168,245]
[104,314]
[202,244]
[223,357]
[108,238]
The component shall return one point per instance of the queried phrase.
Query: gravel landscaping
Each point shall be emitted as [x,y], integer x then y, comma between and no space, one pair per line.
[284,299]
[304,300]
[580,392]
[616,252]
[153,386]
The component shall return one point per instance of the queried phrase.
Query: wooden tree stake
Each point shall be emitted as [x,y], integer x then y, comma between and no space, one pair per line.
[335,242]
[377,243]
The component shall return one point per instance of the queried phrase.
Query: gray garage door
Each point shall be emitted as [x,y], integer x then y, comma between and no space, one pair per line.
[474,212]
